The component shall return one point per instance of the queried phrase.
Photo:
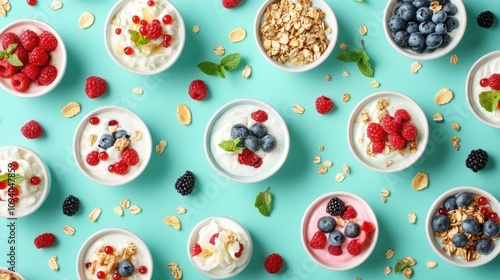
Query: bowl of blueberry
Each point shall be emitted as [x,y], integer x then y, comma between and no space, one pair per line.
[424,29]
[462,226]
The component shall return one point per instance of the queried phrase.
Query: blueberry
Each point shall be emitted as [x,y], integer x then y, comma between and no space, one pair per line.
[259,130]
[106,141]
[423,14]
[464,199]
[441,28]
[351,230]
[121,133]
[239,130]
[252,143]
[446,40]
[433,40]
[268,143]
[491,228]
[401,38]
[406,1]
[418,49]
[411,27]
[450,9]
[470,225]
[440,16]
[125,268]
[416,40]
[440,223]
[336,238]
[484,246]
[442,2]
[407,11]
[451,23]
[450,203]
[326,224]
[420,3]
[396,24]
[459,240]
[427,27]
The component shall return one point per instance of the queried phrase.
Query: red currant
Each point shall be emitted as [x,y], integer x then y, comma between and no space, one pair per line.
[118,31]
[3,185]
[94,120]
[136,19]
[156,21]
[35,180]
[108,250]
[485,211]
[88,265]
[143,30]
[494,216]
[482,200]
[484,82]
[166,44]
[167,19]
[111,168]
[100,274]
[442,211]
[144,22]
[14,165]
[167,38]
[15,200]
[32,2]
[15,192]
[151,3]
[128,50]
[103,155]
[117,276]
[142,269]
[113,122]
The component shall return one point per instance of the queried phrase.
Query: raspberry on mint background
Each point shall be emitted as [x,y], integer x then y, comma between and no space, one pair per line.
[216,60]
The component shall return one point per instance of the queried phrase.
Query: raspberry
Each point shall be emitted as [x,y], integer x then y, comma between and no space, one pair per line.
[7,70]
[367,227]
[32,129]
[485,19]
[196,250]
[212,239]
[259,116]
[10,38]
[48,74]
[95,86]
[323,104]
[375,132]
[273,263]
[240,251]
[22,54]
[362,238]
[48,41]
[378,147]
[130,156]
[409,131]
[397,142]
[349,213]
[29,39]
[353,247]
[229,4]
[318,240]
[390,124]
[93,158]
[120,167]
[494,81]
[20,82]
[153,30]
[32,71]
[197,90]
[247,157]
[45,240]
[335,250]
[38,57]
[401,115]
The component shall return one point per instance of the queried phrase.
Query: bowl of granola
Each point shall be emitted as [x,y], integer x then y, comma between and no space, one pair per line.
[462,226]
[286,49]
[387,131]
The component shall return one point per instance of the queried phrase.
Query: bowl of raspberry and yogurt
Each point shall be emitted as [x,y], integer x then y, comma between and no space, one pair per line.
[24,181]
[144,37]
[112,145]
[34,58]
[387,131]
[247,141]
[339,230]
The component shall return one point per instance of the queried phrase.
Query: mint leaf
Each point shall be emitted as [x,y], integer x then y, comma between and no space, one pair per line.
[231,145]
[263,202]
[231,61]
[14,60]
[221,71]
[11,48]
[349,56]
[13,180]
[400,265]
[489,99]
[361,58]
[208,68]
[365,68]
[138,39]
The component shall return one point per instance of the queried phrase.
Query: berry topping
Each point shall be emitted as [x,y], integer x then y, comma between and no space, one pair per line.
[143,22]
[116,276]
[153,30]
[136,19]
[484,82]
[401,115]
[118,31]
[100,274]
[185,184]
[318,240]
[48,41]
[22,54]
[213,237]
[196,249]
[493,216]
[14,165]
[259,116]
[476,160]
[143,269]
[7,70]
[485,19]
[31,71]
[35,180]
[32,129]
[151,3]
[94,120]
[378,147]
[240,251]
[29,39]
[396,141]
[20,82]
[197,90]
[247,157]
[167,19]
[409,131]
[367,227]
[324,104]
[31,2]
[349,213]
[47,75]
[442,211]
[120,168]
[390,124]
[108,250]
[482,200]
[38,56]
[103,155]
[113,122]
[71,205]
[10,38]
[485,211]
[494,81]
[45,240]
[335,250]
[229,4]
[130,156]
[326,224]
[93,158]
[376,132]
[128,50]
[353,247]
[273,263]
[95,86]
[335,207]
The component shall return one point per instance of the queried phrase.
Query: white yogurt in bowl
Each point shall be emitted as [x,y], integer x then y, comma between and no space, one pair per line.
[219,129]
[87,137]
[24,181]
[151,57]
[391,161]
[482,68]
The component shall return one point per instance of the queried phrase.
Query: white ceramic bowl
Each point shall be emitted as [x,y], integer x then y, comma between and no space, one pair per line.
[58,57]
[227,224]
[322,257]
[160,58]
[330,20]
[117,238]
[226,163]
[456,34]
[435,242]
[128,121]
[40,169]
[5,271]
[482,68]
[358,141]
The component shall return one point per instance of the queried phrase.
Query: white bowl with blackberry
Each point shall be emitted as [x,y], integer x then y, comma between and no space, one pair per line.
[424,29]
[462,226]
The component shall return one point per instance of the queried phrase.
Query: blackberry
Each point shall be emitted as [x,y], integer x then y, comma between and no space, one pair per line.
[485,19]
[335,207]
[185,184]
[476,160]
[71,205]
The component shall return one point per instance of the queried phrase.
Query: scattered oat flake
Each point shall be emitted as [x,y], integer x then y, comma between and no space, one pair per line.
[298,109]
[346,168]
[363,30]
[3,12]
[91,139]
[125,203]
[317,159]
[180,210]
[346,73]
[56,5]
[345,97]
[412,217]
[328,78]
[137,135]
[455,126]
[387,270]
[455,141]
[196,29]
[247,71]
[437,117]
[375,84]
[454,59]
[86,20]
[118,210]
[137,91]
[340,177]
[94,215]
[172,265]
[410,261]
[172,221]
[321,148]
[415,66]
[160,147]
[53,263]
[69,230]
[445,95]
[177,273]
[328,163]
[184,114]
[408,272]
[384,199]
[343,46]
[237,35]
[322,169]
[135,209]
[431,264]
[71,109]
[388,163]
[389,253]
[385,192]
[219,50]
[420,181]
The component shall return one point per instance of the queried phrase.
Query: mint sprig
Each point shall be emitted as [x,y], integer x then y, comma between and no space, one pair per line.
[401,265]
[10,56]
[138,39]
[360,57]
[12,180]
[231,145]
[489,99]
[263,202]
[227,63]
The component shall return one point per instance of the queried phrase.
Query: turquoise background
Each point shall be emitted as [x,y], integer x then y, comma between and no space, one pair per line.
[297,183]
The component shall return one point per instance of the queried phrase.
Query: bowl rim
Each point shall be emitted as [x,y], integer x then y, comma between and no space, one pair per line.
[422,130]
[47,185]
[262,176]
[326,8]
[440,52]
[96,235]
[107,43]
[61,70]
[430,232]
[192,240]
[308,212]
[146,136]
[469,93]
[17,274]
